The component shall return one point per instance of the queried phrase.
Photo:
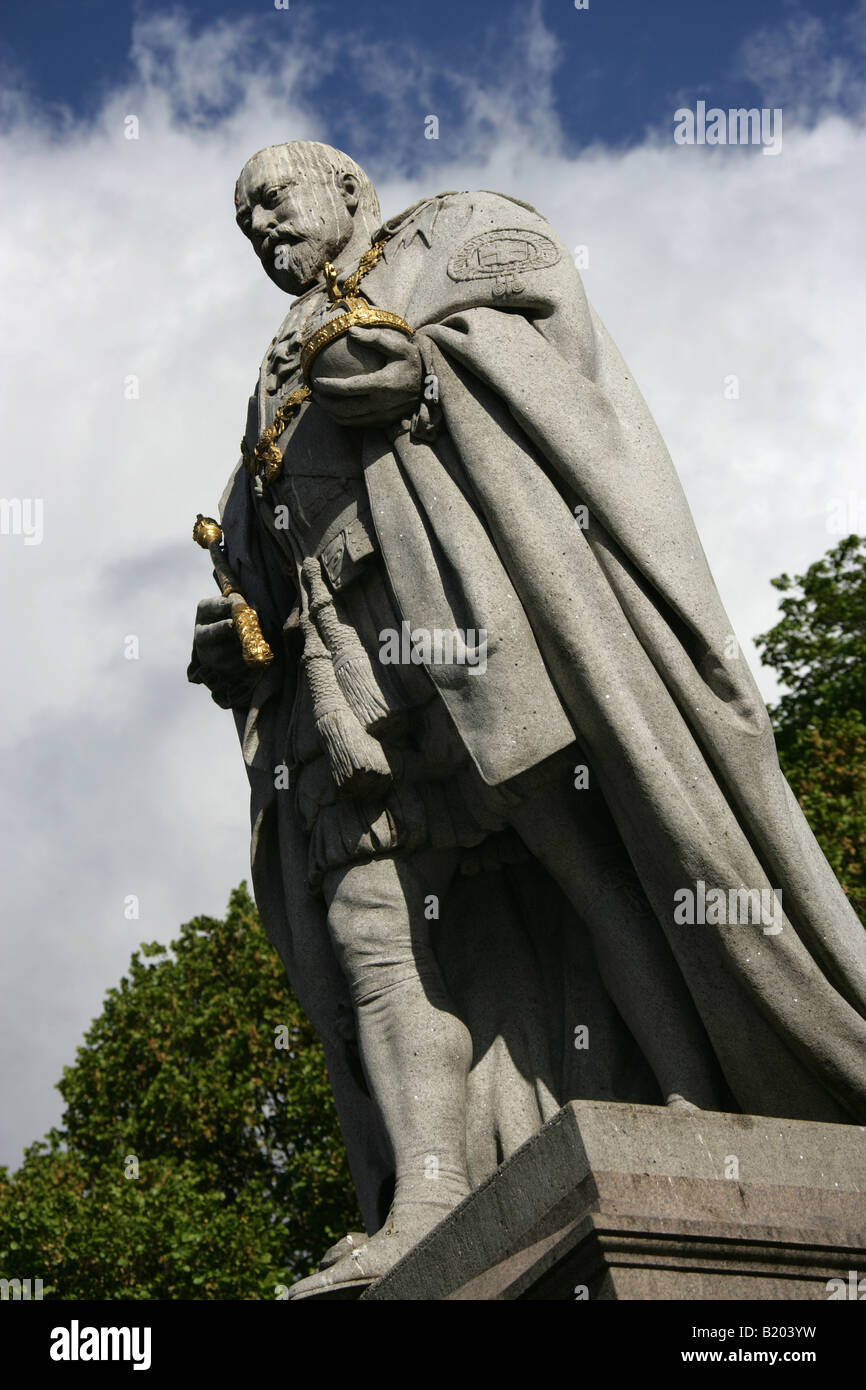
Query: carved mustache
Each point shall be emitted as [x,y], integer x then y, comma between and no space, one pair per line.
[277,234]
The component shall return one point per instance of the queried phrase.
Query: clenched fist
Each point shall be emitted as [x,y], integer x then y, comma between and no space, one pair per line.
[217,660]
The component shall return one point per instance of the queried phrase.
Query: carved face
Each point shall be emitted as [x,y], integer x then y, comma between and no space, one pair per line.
[297,219]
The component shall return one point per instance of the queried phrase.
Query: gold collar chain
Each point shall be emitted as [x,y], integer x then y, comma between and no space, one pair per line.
[267,457]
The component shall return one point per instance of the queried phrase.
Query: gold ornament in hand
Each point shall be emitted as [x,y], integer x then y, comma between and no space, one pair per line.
[208,534]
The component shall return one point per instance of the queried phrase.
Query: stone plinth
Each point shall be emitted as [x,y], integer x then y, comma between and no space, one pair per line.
[642,1202]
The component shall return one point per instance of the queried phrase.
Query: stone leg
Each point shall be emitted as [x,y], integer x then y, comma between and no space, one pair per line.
[415,1052]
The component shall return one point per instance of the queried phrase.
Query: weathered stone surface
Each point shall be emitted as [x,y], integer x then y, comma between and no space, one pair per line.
[633,1202]
[553,857]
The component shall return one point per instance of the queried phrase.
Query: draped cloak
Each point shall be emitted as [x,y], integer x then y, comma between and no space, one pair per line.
[546,510]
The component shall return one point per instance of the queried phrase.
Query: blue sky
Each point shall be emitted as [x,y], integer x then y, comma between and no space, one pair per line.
[121,258]
[619,67]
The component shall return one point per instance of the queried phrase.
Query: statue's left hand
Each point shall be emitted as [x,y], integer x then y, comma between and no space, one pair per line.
[380,395]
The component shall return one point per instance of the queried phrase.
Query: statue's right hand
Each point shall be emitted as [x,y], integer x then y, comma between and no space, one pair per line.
[217,659]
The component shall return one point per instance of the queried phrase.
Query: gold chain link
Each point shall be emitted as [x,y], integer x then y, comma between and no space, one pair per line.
[267,457]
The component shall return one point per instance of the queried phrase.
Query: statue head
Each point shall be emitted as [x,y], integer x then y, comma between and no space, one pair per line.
[300,205]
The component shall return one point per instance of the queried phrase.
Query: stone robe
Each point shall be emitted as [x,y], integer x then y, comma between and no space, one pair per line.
[536,500]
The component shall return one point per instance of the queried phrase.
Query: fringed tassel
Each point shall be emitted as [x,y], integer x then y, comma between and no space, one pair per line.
[358,763]
[352,667]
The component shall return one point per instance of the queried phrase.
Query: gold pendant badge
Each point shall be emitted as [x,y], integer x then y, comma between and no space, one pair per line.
[353,311]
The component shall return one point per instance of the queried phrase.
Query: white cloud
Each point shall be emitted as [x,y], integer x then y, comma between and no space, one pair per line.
[121,257]
[813,64]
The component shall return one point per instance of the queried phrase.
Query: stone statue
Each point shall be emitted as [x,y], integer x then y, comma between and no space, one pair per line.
[519,832]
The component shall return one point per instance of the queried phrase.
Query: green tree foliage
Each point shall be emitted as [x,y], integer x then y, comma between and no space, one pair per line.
[818,649]
[242,1175]
[827,771]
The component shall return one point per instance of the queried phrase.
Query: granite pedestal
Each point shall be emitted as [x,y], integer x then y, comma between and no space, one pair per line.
[614,1201]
